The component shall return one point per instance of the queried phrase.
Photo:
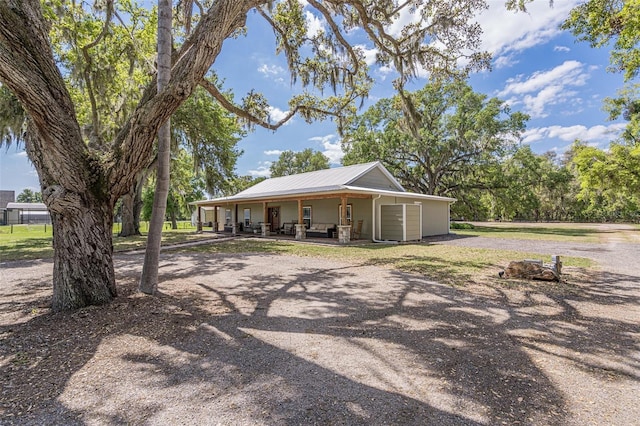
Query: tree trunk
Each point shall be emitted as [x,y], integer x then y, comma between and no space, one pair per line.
[130,226]
[174,219]
[149,278]
[80,183]
[83,257]
[132,207]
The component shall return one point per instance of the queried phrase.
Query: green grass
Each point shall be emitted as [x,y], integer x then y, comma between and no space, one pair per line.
[446,264]
[443,263]
[550,233]
[27,242]
[19,242]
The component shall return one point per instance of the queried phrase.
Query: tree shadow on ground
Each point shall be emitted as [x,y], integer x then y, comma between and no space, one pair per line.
[261,338]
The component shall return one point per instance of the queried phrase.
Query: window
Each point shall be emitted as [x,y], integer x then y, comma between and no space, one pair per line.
[306,216]
[247,217]
[348,214]
[227,216]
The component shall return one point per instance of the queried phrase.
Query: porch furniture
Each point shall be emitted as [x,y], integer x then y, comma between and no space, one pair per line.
[229,227]
[321,230]
[256,228]
[355,232]
[288,228]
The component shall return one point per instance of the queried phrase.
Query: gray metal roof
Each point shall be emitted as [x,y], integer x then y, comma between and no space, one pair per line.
[27,206]
[318,181]
[326,181]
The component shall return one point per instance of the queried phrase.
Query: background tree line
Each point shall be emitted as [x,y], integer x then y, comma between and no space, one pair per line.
[451,141]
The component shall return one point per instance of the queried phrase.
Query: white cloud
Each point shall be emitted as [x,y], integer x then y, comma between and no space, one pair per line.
[570,72]
[262,170]
[270,70]
[551,95]
[561,49]
[505,61]
[369,54]
[506,32]
[332,150]
[314,24]
[545,88]
[405,17]
[273,72]
[273,152]
[21,154]
[594,134]
[276,114]
[533,135]
[384,71]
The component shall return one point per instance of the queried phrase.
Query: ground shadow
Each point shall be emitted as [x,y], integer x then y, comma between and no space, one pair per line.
[238,338]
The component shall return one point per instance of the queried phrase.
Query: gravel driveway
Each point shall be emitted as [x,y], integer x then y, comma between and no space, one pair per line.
[267,339]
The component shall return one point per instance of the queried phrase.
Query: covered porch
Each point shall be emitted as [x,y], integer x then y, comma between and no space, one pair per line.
[342,216]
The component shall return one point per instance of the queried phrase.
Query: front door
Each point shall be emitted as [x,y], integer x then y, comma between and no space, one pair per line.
[274,218]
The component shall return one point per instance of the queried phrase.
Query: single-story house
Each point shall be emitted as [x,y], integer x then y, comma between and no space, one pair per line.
[361,201]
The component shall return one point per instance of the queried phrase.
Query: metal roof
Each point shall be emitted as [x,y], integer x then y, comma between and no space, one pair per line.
[318,181]
[27,206]
[324,182]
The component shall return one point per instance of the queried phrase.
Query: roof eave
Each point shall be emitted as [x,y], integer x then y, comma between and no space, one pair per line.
[337,191]
[400,193]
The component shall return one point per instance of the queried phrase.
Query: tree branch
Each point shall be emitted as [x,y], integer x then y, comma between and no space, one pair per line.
[242,113]
[336,31]
[95,139]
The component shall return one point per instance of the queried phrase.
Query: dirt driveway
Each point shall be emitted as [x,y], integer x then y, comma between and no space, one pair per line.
[266,339]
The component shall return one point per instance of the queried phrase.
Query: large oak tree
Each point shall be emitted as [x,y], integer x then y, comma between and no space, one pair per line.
[81,182]
[442,139]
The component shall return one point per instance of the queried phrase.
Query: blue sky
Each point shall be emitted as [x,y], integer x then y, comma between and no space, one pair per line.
[537,69]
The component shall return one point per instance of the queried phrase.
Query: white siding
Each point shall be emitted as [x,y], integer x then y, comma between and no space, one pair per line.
[412,222]
[435,213]
[376,179]
[435,218]
[362,211]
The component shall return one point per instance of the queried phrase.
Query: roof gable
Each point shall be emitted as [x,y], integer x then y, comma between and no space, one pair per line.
[368,175]
[377,178]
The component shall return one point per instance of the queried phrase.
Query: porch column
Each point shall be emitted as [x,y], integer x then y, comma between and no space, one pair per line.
[344,234]
[215,219]
[343,216]
[199,223]
[234,220]
[301,231]
[265,212]
[344,229]
[266,226]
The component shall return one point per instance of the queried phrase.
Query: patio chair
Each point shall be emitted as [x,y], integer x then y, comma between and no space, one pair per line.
[355,232]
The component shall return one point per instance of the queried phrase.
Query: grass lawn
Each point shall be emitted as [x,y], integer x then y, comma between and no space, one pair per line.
[570,232]
[446,264]
[27,242]
[565,233]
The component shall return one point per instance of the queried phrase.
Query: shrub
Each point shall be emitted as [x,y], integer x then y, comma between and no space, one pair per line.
[462,225]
